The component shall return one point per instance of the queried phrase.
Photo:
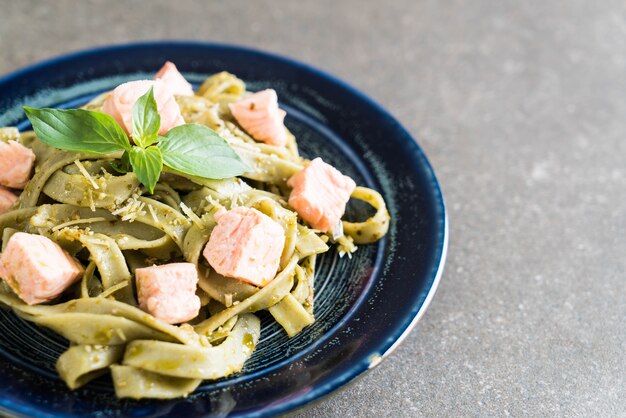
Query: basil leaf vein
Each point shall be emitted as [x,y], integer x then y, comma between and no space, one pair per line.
[146,120]
[78,130]
[199,151]
[147,165]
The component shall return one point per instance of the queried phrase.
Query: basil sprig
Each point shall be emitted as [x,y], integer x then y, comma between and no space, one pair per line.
[146,120]
[191,148]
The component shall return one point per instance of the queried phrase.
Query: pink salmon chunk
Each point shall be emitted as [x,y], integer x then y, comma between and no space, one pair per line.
[170,75]
[168,292]
[246,244]
[16,164]
[119,104]
[260,116]
[320,194]
[36,268]
[7,198]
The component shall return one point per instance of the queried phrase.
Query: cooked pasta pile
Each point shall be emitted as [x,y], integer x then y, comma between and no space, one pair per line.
[112,225]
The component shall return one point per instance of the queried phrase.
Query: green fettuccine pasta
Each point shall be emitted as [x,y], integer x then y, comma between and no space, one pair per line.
[100,211]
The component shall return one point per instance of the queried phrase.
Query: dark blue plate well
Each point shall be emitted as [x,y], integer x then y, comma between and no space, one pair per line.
[365,305]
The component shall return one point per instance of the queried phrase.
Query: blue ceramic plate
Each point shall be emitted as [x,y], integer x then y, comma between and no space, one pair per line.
[364,306]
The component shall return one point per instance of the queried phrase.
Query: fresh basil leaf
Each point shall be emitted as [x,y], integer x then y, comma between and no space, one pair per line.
[78,130]
[147,164]
[199,151]
[146,120]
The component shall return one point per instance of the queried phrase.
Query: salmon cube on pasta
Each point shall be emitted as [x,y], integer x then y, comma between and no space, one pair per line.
[246,244]
[261,117]
[168,292]
[177,84]
[320,194]
[36,268]
[119,104]
[16,164]
[7,198]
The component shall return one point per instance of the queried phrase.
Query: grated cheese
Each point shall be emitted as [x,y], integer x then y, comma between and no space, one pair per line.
[153,213]
[84,172]
[92,204]
[77,221]
[194,218]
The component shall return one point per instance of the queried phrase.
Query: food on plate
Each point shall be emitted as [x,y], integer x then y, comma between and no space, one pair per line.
[154,222]
[245,244]
[168,291]
[170,75]
[119,104]
[320,193]
[7,199]
[36,268]
[261,117]
[16,164]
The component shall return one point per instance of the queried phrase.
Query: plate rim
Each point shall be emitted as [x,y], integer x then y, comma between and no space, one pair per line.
[318,392]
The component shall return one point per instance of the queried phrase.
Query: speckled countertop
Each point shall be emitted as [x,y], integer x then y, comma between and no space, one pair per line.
[521,108]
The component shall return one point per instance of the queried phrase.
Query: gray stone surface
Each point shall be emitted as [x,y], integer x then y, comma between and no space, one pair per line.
[521,107]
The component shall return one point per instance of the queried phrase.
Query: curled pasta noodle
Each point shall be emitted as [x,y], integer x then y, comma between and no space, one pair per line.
[111,264]
[220,288]
[262,299]
[193,362]
[56,161]
[102,306]
[82,363]
[136,383]
[113,226]
[99,329]
[222,87]
[291,315]
[76,189]
[89,284]
[375,227]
